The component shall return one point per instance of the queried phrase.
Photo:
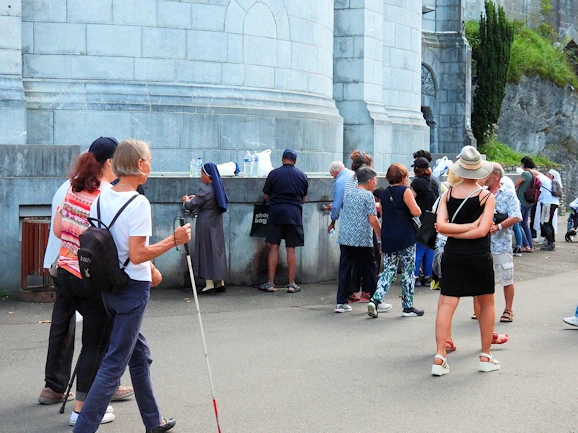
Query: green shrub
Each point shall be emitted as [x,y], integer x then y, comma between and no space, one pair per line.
[531,55]
[499,152]
[534,55]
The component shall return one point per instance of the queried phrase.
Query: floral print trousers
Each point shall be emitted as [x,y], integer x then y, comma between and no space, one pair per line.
[390,264]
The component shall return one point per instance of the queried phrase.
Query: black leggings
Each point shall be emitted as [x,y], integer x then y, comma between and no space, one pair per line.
[96,327]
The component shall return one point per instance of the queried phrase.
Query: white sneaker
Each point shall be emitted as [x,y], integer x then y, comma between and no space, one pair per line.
[538,240]
[108,417]
[571,320]
[343,308]
[384,308]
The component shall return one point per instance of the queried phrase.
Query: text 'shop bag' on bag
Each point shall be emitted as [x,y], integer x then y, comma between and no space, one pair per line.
[98,255]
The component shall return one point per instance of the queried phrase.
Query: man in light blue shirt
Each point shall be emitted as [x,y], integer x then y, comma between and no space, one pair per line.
[341,174]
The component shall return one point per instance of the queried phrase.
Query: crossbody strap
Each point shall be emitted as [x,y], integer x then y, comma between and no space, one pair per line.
[464,202]
[125,264]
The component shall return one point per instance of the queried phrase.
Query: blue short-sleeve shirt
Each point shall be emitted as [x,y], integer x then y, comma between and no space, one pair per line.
[286,186]
[355,229]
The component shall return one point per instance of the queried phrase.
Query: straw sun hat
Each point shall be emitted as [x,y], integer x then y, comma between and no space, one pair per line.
[471,165]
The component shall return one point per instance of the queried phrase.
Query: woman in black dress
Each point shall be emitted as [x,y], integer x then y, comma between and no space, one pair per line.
[465,215]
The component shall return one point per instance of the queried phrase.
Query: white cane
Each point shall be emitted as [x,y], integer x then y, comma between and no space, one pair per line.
[192,275]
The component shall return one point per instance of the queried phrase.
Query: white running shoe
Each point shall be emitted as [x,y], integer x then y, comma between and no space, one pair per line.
[384,308]
[571,320]
[108,417]
[343,308]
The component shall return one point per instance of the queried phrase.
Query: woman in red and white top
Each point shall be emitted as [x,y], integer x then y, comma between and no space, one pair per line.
[91,174]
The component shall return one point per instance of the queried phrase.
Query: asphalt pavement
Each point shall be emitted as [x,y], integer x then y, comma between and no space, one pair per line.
[287,363]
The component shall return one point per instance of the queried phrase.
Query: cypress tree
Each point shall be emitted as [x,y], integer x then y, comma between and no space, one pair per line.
[493,59]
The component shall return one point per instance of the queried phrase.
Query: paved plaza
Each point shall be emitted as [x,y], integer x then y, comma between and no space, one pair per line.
[287,363]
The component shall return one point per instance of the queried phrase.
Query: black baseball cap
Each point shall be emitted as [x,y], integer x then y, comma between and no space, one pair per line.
[420,162]
[290,154]
[103,148]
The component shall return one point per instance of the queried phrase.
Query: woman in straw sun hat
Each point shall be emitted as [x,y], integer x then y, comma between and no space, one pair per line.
[465,216]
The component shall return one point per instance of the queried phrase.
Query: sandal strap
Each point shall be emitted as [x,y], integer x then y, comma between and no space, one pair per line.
[444,360]
[491,359]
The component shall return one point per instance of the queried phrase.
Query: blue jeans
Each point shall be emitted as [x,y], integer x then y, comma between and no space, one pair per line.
[127,347]
[525,226]
[423,259]
[518,235]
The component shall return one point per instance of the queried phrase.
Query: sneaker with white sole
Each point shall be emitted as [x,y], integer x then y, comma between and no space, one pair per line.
[384,308]
[412,312]
[571,320]
[343,308]
[372,310]
[108,417]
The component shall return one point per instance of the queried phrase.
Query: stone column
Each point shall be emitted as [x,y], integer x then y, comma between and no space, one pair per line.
[448,55]
[12,103]
[402,79]
[358,80]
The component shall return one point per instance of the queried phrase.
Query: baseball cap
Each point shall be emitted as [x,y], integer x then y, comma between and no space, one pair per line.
[290,154]
[420,162]
[103,148]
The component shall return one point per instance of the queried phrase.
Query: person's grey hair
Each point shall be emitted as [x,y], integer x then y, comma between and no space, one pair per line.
[127,155]
[365,174]
[498,169]
[336,166]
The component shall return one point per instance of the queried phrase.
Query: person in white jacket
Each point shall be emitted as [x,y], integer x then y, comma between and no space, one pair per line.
[547,209]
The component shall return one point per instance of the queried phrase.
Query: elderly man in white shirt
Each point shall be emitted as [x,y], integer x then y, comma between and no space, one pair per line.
[547,209]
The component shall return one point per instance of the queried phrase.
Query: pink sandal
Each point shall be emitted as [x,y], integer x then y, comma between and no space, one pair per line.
[500,338]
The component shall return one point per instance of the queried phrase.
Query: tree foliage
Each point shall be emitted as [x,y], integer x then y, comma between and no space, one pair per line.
[493,59]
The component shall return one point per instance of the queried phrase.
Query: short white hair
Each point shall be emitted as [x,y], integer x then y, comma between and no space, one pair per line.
[497,168]
[336,166]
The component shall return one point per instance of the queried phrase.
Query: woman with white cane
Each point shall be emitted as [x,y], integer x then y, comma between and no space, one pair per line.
[131,231]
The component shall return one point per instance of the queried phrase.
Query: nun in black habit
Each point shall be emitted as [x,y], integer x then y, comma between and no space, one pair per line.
[210,202]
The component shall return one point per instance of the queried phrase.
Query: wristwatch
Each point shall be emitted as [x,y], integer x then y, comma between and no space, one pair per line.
[500,226]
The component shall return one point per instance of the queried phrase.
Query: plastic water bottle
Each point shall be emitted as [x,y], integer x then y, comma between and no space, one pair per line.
[199,166]
[192,167]
[247,164]
[255,164]
[332,234]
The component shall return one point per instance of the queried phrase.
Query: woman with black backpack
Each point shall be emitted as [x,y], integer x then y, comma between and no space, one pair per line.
[126,307]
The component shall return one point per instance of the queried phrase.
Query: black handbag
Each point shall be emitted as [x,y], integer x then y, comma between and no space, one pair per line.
[427,232]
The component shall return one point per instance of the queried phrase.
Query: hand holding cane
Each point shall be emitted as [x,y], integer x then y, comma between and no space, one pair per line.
[194,286]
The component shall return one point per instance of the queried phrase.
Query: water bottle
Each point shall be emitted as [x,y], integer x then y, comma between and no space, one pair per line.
[255,164]
[192,167]
[247,164]
[199,166]
[331,233]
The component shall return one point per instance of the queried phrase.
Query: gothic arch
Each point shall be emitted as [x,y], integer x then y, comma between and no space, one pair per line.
[428,82]
[237,12]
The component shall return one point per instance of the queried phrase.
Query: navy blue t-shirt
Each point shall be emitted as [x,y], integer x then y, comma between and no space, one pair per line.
[286,186]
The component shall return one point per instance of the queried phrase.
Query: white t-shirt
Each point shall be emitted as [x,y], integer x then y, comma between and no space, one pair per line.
[135,220]
[546,196]
[53,247]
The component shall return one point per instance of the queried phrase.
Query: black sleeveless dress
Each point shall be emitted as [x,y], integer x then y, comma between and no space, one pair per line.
[467,266]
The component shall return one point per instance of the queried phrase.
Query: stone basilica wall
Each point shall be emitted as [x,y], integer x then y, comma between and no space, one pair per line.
[194,79]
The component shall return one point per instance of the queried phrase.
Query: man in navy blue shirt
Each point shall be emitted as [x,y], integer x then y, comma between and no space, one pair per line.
[286,190]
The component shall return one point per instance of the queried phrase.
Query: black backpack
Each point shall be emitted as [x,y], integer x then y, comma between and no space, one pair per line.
[98,256]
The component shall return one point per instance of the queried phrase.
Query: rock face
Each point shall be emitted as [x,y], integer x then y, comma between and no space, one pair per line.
[540,117]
